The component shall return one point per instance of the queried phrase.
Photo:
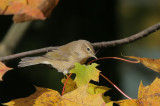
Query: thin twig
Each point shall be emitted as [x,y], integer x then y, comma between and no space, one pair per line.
[22,54]
[106,44]
[130,39]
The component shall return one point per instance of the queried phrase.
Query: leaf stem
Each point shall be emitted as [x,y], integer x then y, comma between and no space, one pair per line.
[66,83]
[118,58]
[115,86]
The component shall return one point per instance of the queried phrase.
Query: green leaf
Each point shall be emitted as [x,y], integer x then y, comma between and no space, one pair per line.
[85,73]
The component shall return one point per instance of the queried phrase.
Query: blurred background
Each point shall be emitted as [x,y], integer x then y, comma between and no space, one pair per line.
[94,21]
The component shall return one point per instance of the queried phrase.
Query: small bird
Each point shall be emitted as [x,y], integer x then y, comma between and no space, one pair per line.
[64,57]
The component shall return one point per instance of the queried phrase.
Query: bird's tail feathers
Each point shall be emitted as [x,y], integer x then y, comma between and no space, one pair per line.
[28,61]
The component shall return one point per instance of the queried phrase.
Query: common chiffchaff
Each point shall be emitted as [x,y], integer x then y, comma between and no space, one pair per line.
[64,57]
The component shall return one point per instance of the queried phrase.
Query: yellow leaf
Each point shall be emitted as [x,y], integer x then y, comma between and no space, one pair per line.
[153,64]
[48,97]
[147,96]
[95,89]
[70,85]
[80,97]
[127,102]
[109,104]
[152,89]
[32,99]
[152,100]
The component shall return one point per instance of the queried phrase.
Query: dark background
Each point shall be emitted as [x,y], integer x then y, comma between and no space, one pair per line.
[94,21]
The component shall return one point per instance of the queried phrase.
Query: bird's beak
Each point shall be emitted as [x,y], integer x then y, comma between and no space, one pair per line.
[94,56]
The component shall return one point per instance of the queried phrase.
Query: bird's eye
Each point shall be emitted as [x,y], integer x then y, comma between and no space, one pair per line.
[88,49]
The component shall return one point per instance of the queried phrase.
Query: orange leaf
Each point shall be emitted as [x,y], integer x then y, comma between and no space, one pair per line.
[147,95]
[3,69]
[26,10]
[153,64]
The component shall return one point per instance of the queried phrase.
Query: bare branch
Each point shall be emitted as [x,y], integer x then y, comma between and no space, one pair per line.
[22,54]
[130,39]
[106,44]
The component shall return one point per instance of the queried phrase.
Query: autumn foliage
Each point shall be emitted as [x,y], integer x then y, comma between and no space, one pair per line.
[79,91]
[147,95]
[27,10]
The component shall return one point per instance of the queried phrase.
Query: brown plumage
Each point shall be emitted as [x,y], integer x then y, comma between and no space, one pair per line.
[64,57]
